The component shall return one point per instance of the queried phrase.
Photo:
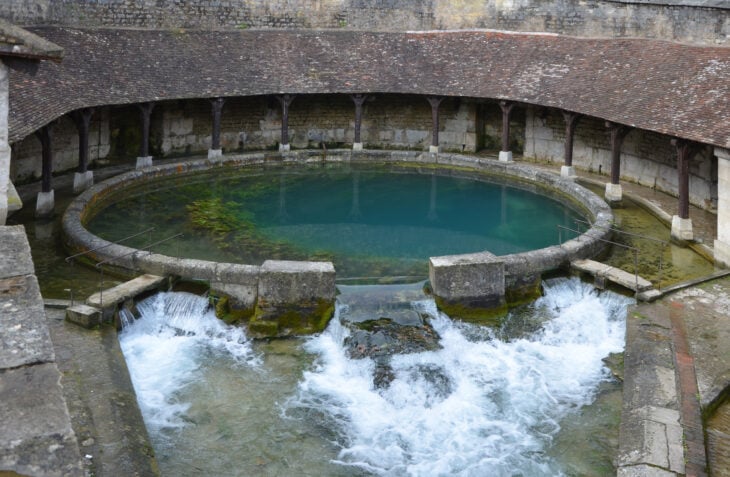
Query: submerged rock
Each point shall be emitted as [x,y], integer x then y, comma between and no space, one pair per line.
[382,338]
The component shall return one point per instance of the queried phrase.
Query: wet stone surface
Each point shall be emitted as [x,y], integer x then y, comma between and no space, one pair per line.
[382,338]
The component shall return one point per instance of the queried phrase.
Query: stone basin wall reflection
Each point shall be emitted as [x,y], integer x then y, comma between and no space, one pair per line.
[470,285]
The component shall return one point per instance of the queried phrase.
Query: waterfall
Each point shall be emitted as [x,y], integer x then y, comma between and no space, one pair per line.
[486,404]
[164,349]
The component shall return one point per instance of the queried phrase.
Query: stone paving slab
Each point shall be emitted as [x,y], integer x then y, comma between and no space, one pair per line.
[35,430]
[101,400]
[126,290]
[15,259]
[24,337]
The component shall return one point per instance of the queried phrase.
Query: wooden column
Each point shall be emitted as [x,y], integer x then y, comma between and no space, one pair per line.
[45,201]
[681,223]
[505,154]
[145,111]
[285,100]
[45,136]
[83,178]
[359,100]
[618,133]
[571,121]
[215,137]
[435,102]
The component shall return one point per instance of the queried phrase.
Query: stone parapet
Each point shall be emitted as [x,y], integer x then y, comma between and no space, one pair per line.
[36,437]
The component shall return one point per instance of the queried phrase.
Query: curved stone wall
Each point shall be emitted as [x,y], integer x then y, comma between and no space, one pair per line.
[698,21]
[521,272]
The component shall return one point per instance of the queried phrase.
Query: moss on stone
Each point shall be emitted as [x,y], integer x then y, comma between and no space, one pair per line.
[484,316]
[292,320]
[225,311]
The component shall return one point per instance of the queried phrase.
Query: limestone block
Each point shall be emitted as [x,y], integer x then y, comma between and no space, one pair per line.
[722,253]
[357,146]
[568,172]
[215,153]
[36,437]
[84,315]
[15,258]
[283,282]
[682,229]
[293,298]
[284,147]
[473,283]
[82,181]
[505,156]
[434,149]
[614,192]
[143,162]
[45,204]
[15,203]
[24,337]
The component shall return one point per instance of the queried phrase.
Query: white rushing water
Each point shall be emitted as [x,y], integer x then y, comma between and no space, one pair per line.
[479,406]
[164,350]
[487,403]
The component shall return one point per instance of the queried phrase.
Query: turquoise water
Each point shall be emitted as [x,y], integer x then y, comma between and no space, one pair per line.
[370,222]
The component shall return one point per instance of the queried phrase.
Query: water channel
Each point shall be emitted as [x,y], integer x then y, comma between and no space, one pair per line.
[530,398]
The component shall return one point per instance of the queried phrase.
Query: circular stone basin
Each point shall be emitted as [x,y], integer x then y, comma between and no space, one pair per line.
[382,215]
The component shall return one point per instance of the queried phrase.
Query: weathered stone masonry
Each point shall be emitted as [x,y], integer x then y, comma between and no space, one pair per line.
[699,21]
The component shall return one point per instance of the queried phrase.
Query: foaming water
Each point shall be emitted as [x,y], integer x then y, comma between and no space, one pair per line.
[488,403]
[166,348]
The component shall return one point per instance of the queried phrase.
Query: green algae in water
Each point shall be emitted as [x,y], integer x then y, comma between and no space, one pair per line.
[370,222]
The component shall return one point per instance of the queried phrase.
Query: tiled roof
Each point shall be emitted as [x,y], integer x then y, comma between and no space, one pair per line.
[669,88]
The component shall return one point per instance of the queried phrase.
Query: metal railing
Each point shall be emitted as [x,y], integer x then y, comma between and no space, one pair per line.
[100,265]
[633,249]
[663,243]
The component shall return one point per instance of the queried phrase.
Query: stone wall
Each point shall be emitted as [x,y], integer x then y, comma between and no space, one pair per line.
[646,158]
[698,21]
[26,164]
[4,146]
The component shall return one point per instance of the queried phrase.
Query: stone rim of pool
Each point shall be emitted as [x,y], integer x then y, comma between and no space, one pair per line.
[283,298]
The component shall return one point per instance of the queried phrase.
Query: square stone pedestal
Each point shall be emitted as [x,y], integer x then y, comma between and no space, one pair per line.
[44,204]
[82,181]
[357,146]
[143,162]
[614,192]
[568,172]
[284,147]
[434,149]
[682,229]
[505,156]
[215,153]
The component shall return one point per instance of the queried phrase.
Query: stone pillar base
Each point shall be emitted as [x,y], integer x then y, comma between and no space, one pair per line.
[682,229]
[214,153]
[11,203]
[568,172]
[44,204]
[614,193]
[143,162]
[284,147]
[357,146]
[15,203]
[434,149]
[82,181]
[722,254]
[505,156]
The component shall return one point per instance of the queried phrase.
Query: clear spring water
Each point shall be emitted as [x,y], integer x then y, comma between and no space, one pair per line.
[370,222]
[491,402]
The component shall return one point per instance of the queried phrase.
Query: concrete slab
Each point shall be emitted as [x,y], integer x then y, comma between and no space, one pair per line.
[24,337]
[613,274]
[36,437]
[125,291]
[84,315]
